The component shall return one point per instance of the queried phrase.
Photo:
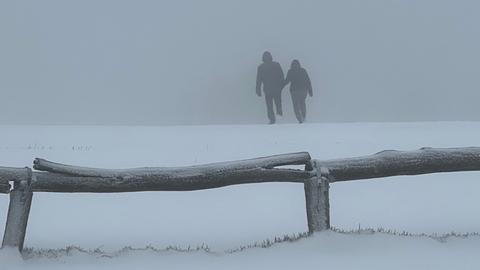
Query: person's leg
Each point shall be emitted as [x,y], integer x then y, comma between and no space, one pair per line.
[278,103]
[296,107]
[303,106]
[270,113]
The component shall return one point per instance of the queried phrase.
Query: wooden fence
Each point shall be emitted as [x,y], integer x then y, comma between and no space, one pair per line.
[316,175]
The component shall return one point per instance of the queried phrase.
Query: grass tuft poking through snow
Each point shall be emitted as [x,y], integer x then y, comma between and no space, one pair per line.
[336,249]
[32,253]
[439,237]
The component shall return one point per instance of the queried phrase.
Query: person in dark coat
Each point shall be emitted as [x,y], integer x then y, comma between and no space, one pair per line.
[300,86]
[270,74]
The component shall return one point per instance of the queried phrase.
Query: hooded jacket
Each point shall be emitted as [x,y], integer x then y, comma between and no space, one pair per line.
[298,78]
[270,74]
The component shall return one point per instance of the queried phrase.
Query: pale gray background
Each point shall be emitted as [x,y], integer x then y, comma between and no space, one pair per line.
[194,62]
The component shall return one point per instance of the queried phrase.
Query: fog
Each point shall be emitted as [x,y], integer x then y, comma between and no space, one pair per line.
[195,62]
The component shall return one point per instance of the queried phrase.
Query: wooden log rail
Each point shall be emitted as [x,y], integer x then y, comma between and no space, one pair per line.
[65,178]
[392,163]
[316,177]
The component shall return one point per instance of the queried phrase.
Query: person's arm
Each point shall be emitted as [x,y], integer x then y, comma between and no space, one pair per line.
[281,75]
[259,82]
[309,84]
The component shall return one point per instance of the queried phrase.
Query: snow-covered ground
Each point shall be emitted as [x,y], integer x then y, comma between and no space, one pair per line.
[230,217]
[326,250]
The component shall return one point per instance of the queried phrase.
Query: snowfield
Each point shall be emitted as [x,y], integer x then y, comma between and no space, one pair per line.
[327,250]
[235,216]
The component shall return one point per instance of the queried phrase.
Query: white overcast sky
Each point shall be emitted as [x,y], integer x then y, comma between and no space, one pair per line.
[194,62]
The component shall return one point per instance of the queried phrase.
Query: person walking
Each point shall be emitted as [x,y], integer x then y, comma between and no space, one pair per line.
[270,75]
[300,86]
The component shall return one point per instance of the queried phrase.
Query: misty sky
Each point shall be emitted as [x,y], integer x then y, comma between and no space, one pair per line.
[194,62]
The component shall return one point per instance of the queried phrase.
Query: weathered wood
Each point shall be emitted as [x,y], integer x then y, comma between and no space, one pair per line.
[18,212]
[167,181]
[262,162]
[4,187]
[393,163]
[66,178]
[11,174]
[317,200]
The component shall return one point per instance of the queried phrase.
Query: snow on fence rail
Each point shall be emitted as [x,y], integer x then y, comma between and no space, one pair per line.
[316,177]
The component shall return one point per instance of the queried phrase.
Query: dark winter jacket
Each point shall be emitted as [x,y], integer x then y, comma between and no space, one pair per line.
[270,74]
[298,79]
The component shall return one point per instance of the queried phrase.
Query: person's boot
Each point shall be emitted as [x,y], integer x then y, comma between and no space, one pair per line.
[271,122]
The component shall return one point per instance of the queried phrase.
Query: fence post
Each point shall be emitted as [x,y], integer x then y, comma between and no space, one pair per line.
[317,200]
[18,211]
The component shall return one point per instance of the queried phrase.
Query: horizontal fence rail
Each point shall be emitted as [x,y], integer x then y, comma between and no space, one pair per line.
[393,163]
[66,178]
[316,177]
